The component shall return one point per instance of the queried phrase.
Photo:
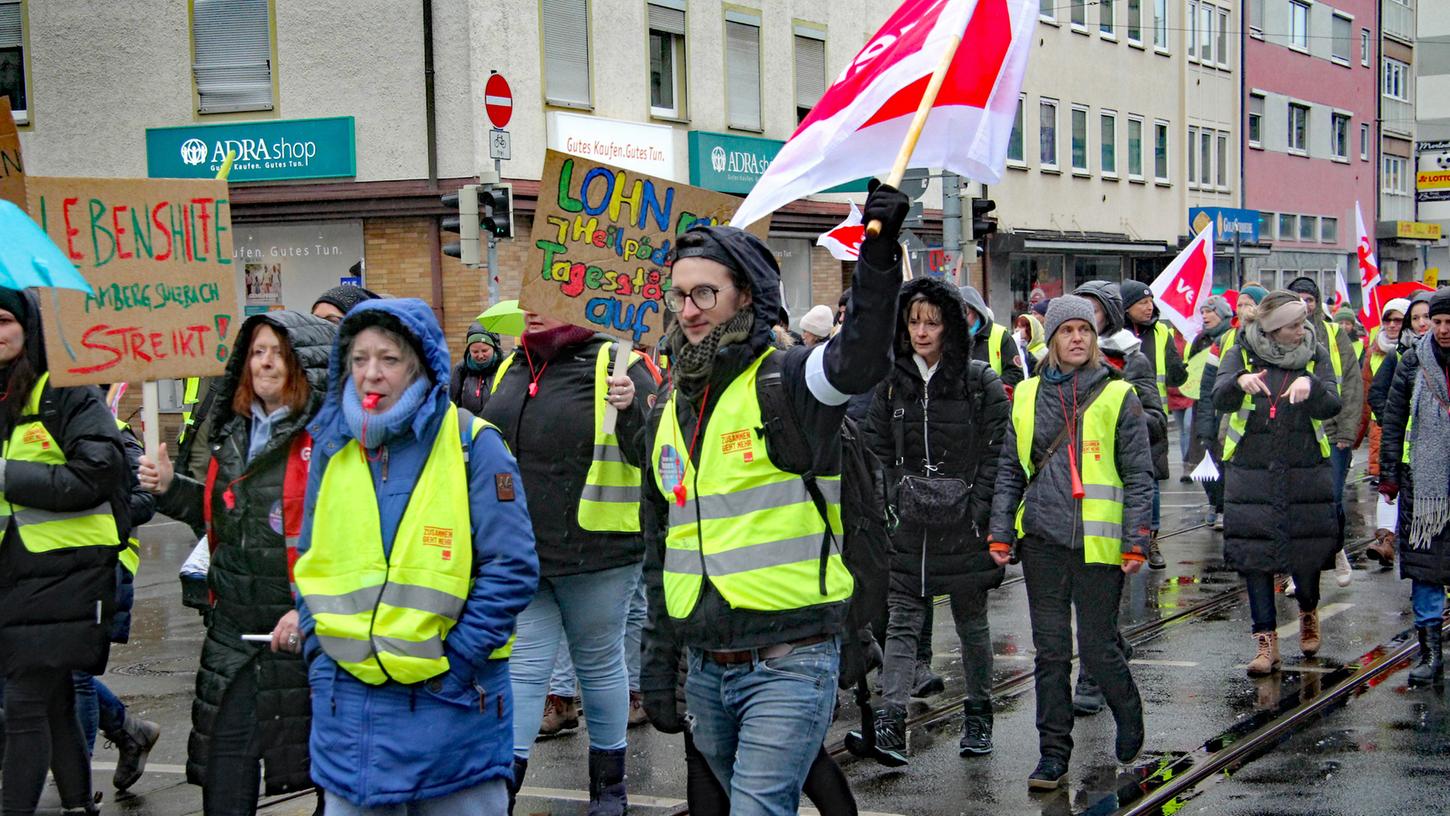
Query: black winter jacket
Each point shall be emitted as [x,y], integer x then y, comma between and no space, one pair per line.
[1278,487]
[249,575]
[1052,515]
[1433,564]
[853,362]
[141,507]
[56,608]
[552,436]
[1176,371]
[1013,366]
[1139,371]
[955,422]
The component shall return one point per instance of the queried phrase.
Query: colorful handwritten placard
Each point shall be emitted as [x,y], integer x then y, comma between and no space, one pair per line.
[12,170]
[601,244]
[158,253]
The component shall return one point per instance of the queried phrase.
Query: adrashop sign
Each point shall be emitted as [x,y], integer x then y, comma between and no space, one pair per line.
[634,146]
[273,150]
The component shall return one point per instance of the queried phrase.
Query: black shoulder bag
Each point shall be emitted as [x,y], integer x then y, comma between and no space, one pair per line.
[925,501]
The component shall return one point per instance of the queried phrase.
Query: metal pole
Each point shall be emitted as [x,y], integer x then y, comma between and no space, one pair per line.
[951,218]
[493,274]
[1238,260]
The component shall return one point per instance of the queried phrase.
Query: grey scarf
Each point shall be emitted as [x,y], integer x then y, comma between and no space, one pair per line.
[693,362]
[1289,358]
[1429,438]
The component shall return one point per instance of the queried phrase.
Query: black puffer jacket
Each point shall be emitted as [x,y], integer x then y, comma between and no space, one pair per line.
[249,576]
[469,388]
[956,420]
[56,608]
[552,436]
[1278,487]
[1433,564]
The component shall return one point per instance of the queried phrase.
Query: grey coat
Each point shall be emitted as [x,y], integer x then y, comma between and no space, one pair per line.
[1049,500]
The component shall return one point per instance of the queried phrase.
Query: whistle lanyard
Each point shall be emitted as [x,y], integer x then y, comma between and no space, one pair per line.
[1275,393]
[679,490]
[536,375]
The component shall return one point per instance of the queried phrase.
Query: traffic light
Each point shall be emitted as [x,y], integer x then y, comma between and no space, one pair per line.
[466,224]
[496,206]
[981,225]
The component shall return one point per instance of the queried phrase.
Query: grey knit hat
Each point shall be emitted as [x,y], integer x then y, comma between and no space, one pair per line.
[1068,307]
[1220,305]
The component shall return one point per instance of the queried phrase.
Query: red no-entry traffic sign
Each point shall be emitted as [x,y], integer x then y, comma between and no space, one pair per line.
[498,100]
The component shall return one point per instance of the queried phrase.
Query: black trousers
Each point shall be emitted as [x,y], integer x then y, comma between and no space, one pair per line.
[234,768]
[826,786]
[42,732]
[1059,583]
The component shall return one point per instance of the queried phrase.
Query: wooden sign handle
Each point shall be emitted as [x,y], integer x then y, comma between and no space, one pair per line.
[621,368]
[151,418]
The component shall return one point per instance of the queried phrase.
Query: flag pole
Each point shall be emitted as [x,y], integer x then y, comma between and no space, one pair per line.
[918,123]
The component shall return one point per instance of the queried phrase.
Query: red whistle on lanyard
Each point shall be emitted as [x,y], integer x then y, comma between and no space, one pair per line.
[371,401]
[1077,489]
[680,495]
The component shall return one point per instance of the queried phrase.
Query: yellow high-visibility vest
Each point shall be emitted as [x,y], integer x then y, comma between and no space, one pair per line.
[994,347]
[609,502]
[1101,510]
[1162,336]
[385,618]
[1197,362]
[1238,422]
[746,526]
[50,530]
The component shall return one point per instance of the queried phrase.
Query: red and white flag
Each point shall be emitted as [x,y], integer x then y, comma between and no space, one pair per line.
[860,123]
[1341,292]
[1369,272]
[844,239]
[1187,282]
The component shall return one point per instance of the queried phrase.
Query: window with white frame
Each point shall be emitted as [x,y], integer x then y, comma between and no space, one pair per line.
[1256,120]
[810,70]
[1106,9]
[742,70]
[1014,142]
[1341,43]
[1308,228]
[1222,30]
[1288,227]
[1364,141]
[1299,25]
[1193,158]
[1397,80]
[1047,134]
[1192,29]
[1298,128]
[1135,148]
[1160,152]
[1160,24]
[1221,166]
[1339,136]
[667,60]
[232,41]
[1256,17]
[1205,32]
[1364,47]
[1079,139]
[12,61]
[1205,158]
[1329,230]
[1079,13]
[1108,142]
[1394,175]
[1047,9]
[1135,21]
[1266,227]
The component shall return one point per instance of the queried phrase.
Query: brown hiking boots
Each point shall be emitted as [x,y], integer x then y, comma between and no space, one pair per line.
[1266,662]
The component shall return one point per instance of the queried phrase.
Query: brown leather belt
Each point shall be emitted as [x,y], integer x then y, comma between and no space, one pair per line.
[734,658]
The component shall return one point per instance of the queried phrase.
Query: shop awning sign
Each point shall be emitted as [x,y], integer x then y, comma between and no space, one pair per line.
[275,150]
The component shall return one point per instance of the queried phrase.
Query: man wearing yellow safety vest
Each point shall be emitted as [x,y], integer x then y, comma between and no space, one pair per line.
[416,555]
[743,562]
[63,488]
[1343,430]
[992,342]
[1075,499]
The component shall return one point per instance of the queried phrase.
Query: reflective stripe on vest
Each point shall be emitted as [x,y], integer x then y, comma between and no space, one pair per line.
[385,618]
[1101,509]
[49,530]
[131,556]
[747,526]
[1238,422]
[609,502]
[1161,335]
[994,347]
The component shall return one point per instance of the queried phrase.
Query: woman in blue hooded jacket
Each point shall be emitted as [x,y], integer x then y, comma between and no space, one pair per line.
[407,602]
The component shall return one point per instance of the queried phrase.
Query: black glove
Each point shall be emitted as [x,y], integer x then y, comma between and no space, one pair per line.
[888,205]
[664,711]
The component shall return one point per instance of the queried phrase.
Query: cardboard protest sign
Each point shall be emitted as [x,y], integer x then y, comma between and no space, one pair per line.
[12,170]
[158,253]
[601,243]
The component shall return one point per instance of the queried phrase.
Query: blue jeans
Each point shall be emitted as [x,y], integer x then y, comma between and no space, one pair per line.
[1184,417]
[488,799]
[760,725]
[589,609]
[1428,601]
[97,708]
[563,683]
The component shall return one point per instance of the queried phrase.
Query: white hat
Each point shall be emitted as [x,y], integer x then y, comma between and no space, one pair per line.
[1401,305]
[818,321]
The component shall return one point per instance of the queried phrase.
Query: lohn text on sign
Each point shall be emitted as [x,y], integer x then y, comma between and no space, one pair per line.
[97,232]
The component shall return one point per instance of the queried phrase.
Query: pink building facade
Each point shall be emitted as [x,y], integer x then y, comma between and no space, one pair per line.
[1309,136]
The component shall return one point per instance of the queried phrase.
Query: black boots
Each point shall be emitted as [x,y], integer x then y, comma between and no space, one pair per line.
[976,729]
[606,783]
[133,744]
[1049,774]
[521,767]
[1431,668]
[1087,698]
[1128,716]
[1155,556]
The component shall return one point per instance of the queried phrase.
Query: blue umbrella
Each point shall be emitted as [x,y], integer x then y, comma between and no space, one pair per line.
[29,258]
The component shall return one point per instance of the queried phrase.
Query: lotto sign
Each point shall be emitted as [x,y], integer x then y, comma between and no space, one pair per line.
[498,100]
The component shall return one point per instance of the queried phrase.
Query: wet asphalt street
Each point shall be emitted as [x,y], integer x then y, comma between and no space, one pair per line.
[1383,751]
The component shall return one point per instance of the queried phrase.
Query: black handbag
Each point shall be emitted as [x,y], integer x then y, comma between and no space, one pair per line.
[925,501]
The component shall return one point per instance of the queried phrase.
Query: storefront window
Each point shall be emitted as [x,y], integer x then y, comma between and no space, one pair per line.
[1096,267]
[1035,278]
[287,266]
[794,257]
